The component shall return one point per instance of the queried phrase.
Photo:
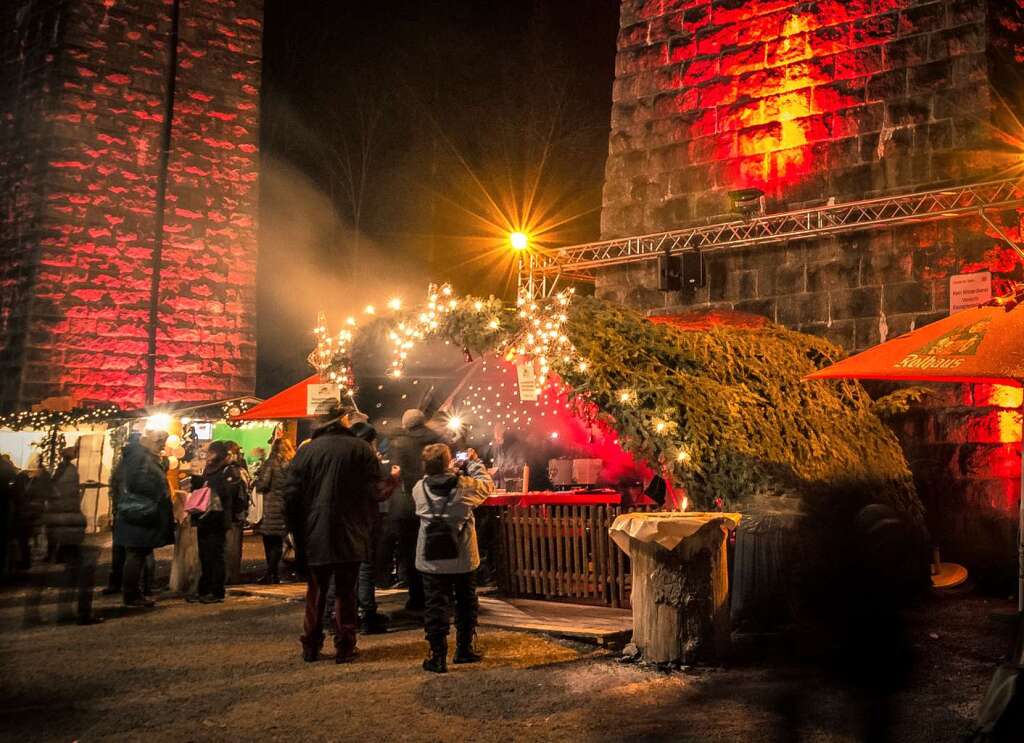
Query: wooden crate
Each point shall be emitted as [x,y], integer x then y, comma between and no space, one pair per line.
[564,552]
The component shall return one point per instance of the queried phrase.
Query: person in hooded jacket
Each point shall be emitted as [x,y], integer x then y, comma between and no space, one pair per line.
[330,499]
[405,449]
[142,479]
[227,498]
[449,494]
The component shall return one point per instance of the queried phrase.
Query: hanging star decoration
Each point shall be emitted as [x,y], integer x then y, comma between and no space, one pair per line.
[542,340]
[332,356]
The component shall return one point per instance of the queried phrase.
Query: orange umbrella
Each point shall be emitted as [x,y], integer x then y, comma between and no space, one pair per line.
[983,344]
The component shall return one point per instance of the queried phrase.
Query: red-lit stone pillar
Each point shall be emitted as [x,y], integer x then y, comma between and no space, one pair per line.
[82,101]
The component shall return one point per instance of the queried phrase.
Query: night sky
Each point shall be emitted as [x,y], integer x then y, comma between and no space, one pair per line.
[401,140]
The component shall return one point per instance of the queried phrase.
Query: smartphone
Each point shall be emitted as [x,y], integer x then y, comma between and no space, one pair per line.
[462,456]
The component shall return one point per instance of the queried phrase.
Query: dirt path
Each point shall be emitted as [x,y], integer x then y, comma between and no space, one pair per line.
[232,671]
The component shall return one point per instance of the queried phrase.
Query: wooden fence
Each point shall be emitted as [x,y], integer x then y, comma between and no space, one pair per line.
[564,552]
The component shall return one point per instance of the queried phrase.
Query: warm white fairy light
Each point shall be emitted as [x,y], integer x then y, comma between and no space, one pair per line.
[395,304]
[331,356]
[543,340]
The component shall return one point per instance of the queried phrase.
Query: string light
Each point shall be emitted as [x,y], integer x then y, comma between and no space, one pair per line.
[332,355]
[542,339]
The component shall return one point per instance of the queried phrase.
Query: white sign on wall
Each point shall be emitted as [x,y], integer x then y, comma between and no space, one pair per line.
[320,397]
[968,290]
[529,389]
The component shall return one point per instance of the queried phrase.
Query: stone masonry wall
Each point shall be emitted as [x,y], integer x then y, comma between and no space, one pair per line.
[98,123]
[27,46]
[847,99]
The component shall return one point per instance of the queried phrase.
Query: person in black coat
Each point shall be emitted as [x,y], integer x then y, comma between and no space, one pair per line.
[142,481]
[330,501]
[228,498]
[405,449]
[271,482]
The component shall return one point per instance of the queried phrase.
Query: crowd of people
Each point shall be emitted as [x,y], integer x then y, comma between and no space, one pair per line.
[358,509]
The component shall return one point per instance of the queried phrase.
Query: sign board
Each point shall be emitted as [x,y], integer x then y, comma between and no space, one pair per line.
[529,385]
[320,397]
[968,290]
[204,431]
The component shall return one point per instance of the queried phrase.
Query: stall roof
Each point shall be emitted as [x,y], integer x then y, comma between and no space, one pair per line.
[288,403]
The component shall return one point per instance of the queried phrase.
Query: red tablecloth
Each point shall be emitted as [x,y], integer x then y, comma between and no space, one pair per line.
[554,498]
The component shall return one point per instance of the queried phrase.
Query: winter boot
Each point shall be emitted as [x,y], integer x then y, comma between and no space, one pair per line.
[465,648]
[438,660]
[311,650]
[374,623]
[345,644]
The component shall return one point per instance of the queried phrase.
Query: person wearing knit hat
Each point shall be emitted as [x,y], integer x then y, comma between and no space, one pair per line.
[406,450]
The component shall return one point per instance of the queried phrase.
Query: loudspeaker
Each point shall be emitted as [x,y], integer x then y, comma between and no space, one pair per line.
[692,269]
[670,273]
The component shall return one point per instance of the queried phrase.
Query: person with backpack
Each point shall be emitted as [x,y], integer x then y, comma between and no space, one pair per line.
[223,506]
[446,551]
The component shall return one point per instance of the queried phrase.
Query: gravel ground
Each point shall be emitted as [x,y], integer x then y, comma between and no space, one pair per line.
[232,671]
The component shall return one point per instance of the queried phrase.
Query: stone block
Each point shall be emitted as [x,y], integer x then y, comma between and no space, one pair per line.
[840,332]
[783,278]
[906,52]
[867,333]
[984,461]
[906,297]
[887,86]
[936,75]
[862,302]
[839,273]
[920,18]
[796,310]
[979,426]
[994,395]
[971,69]
[763,307]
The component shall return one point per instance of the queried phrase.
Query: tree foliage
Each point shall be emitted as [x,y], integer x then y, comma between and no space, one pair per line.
[725,410]
[737,421]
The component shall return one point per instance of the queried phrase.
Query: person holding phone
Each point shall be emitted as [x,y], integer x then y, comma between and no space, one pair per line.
[446,550]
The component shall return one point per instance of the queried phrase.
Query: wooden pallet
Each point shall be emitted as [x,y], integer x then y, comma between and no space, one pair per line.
[596,624]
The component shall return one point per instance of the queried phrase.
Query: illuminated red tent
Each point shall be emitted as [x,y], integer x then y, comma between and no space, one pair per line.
[983,344]
[286,404]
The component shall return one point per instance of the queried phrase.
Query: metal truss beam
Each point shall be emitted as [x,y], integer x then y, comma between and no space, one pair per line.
[891,211]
